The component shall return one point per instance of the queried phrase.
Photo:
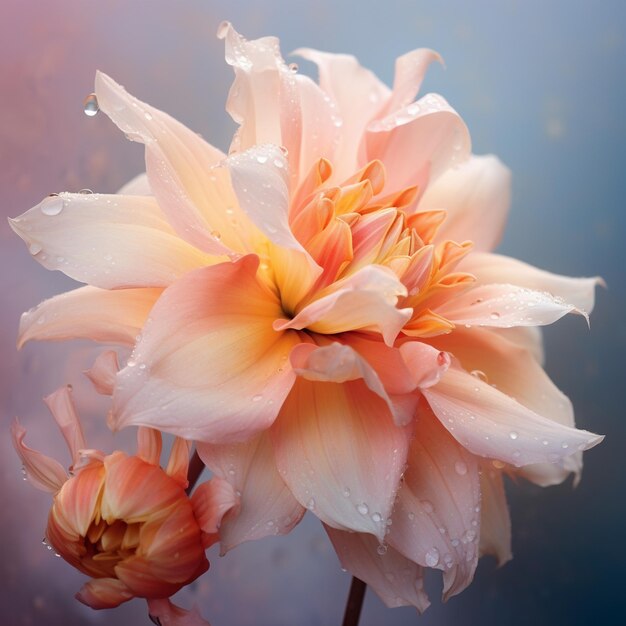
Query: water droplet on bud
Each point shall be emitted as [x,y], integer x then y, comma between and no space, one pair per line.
[90,105]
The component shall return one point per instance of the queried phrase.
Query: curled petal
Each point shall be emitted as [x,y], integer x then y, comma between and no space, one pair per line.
[89,313]
[192,193]
[149,445]
[436,521]
[410,71]
[364,301]
[169,614]
[211,501]
[61,405]
[397,580]
[209,366]
[178,463]
[339,363]
[340,453]
[476,197]
[108,241]
[495,268]
[42,471]
[417,143]
[491,424]
[358,95]
[264,503]
[103,372]
[504,306]
[104,593]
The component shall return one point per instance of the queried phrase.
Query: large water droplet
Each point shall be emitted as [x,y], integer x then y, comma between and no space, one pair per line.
[513,435]
[381,549]
[362,508]
[52,205]
[432,557]
[90,105]
[377,517]
[222,29]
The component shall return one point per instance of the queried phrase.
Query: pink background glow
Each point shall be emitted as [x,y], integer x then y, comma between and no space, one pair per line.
[553,110]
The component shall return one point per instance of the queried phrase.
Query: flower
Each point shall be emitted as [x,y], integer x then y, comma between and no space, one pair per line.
[122,519]
[322,311]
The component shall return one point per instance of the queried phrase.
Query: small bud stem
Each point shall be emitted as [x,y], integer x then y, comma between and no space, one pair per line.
[354,603]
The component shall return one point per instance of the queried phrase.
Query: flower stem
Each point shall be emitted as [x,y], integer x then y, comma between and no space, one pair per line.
[354,603]
[193,473]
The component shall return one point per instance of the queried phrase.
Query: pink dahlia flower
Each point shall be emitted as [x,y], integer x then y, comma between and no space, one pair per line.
[123,520]
[321,309]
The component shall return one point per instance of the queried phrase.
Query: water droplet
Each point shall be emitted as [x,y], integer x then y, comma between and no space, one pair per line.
[338,122]
[262,158]
[346,493]
[310,504]
[90,105]
[382,549]
[34,248]
[455,542]
[460,468]
[293,67]
[565,445]
[86,192]
[52,205]
[545,442]
[148,116]
[495,315]
[377,517]
[216,234]
[257,398]
[362,508]
[411,515]
[131,362]
[142,366]
[432,557]
[469,536]
[427,506]
[513,435]
[497,464]
[279,163]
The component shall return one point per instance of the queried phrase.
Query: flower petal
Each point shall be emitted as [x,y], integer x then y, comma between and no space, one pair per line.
[476,196]
[61,405]
[504,306]
[436,521]
[418,143]
[513,369]
[192,193]
[108,241]
[149,445]
[340,453]
[103,372]
[178,463]
[495,522]
[171,615]
[364,301]
[104,593]
[89,313]
[42,471]
[209,366]
[211,501]
[495,268]
[397,580]
[275,105]
[265,505]
[491,424]
[339,363]
[358,95]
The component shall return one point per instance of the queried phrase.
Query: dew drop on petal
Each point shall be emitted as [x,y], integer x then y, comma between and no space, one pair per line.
[222,29]
[513,435]
[346,493]
[293,67]
[52,205]
[432,557]
[495,315]
[381,549]
[257,398]
[90,105]
[362,508]
[310,504]
[35,248]
[377,517]
[460,468]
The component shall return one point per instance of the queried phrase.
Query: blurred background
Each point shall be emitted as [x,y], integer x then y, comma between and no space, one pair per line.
[541,84]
